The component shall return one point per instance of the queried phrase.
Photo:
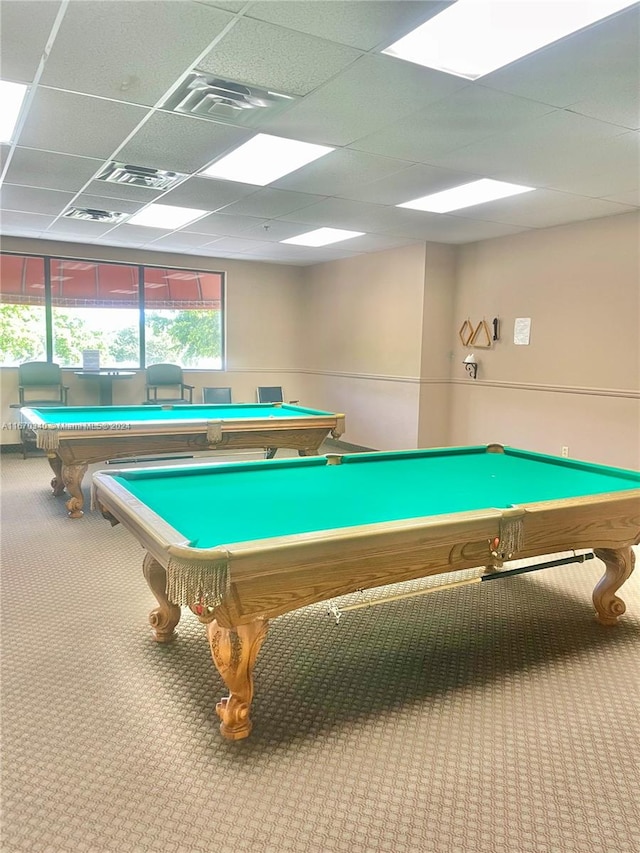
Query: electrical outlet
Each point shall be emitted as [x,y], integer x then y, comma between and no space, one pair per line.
[565,451]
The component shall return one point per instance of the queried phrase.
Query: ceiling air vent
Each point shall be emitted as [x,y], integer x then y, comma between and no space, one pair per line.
[91,215]
[141,176]
[225,100]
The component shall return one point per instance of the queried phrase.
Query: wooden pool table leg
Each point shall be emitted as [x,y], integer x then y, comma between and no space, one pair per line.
[72,476]
[234,652]
[619,564]
[57,483]
[163,619]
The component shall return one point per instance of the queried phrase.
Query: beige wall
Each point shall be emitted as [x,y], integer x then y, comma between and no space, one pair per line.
[436,358]
[363,343]
[577,384]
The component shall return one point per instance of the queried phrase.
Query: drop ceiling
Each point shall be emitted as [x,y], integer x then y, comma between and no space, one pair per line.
[104,77]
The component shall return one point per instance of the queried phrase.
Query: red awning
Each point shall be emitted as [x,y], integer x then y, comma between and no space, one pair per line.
[88,284]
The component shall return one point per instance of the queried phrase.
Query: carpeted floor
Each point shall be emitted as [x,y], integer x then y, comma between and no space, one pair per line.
[498,718]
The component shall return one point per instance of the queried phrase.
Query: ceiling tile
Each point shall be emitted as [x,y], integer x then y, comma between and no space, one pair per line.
[99,126]
[31,199]
[180,241]
[596,72]
[4,154]
[532,153]
[207,193]
[118,205]
[236,244]
[229,5]
[341,213]
[603,168]
[412,182]
[78,229]
[276,58]
[12,222]
[123,191]
[443,228]
[267,202]
[373,92]
[542,209]
[129,48]
[221,225]
[339,170]
[466,116]
[301,256]
[180,143]
[363,24]
[23,36]
[376,243]
[631,197]
[138,234]
[274,230]
[51,171]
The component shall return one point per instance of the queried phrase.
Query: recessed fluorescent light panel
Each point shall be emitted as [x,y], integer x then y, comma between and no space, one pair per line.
[166,216]
[322,237]
[11,98]
[466,195]
[264,159]
[473,37]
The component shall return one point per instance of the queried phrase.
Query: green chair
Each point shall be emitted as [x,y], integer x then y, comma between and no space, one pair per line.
[166,378]
[39,386]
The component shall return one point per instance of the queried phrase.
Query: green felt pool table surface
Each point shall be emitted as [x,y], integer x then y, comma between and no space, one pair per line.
[257,500]
[78,415]
[241,543]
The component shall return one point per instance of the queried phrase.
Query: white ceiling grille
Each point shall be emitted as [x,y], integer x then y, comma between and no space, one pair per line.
[225,100]
[89,214]
[141,176]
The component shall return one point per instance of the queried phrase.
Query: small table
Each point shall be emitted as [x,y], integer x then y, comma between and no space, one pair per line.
[105,381]
[75,436]
[274,536]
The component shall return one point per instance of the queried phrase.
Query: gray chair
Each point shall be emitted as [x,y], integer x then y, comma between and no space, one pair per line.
[166,378]
[39,386]
[270,394]
[216,395]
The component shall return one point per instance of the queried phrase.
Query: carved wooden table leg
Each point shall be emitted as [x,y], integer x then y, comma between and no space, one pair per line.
[72,476]
[163,619]
[234,652]
[57,483]
[619,564]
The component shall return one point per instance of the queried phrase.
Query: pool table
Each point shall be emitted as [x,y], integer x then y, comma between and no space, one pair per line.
[244,542]
[74,437]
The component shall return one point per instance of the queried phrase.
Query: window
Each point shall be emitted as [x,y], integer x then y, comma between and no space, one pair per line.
[103,306]
[95,306]
[183,318]
[23,326]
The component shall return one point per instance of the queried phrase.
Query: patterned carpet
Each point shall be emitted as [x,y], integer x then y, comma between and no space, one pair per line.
[497,718]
